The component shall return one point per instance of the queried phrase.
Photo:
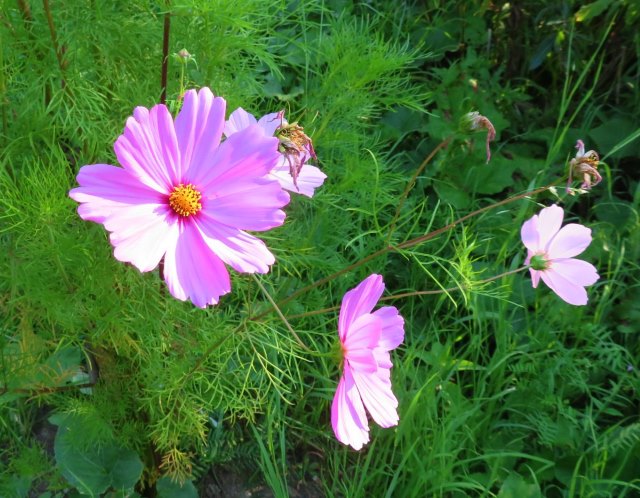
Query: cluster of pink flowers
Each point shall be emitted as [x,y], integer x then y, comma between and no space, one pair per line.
[190,189]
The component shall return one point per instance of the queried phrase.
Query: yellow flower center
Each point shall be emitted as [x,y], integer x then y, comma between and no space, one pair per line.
[185,200]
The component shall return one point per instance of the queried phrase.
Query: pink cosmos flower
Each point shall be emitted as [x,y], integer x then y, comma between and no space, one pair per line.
[295,147]
[366,339]
[183,195]
[550,251]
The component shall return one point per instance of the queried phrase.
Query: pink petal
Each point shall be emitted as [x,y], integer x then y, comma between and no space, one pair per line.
[199,126]
[363,335]
[308,180]
[377,396]
[271,122]
[244,252]
[244,156]
[239,120]
[148,148]
[570,241]
[192,271]
[529,234]
[567,278]
[577,271]
[382,358]
[105,189]
[549,222]
[567,290]
[392,327]
[358,301]
[348,417]
[535,277]
[255,207]
[141,236]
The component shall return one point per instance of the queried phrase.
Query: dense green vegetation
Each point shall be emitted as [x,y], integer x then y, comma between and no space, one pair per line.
[108,383]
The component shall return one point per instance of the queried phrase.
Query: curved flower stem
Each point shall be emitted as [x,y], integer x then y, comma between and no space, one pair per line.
[411,184]
[452,289]
[282,317]
[404,245]
[415,293]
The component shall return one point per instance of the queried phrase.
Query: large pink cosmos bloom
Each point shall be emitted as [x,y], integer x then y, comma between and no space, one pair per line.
[366,340]
[309,177]
[184,195]
[550,251]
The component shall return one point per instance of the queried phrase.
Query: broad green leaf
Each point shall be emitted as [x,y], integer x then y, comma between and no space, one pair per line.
[167,488]
[592,10]
[92,470]
[515,486]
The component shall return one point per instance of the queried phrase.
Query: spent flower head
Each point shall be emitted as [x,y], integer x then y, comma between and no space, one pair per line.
[366,339]
[296,149]
[550,251]
[185,196]
[585,166]
[474,121]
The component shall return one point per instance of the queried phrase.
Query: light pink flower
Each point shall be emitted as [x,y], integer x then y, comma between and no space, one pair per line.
[291,171]
[183,195]
[550,254]
[366,339]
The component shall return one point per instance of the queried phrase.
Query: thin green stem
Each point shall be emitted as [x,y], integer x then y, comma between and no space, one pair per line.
[415,293]
[411,183]
[282,317]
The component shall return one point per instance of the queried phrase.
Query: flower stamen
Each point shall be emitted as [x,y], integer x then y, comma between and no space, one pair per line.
[185,200]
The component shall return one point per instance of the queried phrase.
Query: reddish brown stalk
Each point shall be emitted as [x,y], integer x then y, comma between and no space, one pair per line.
[54,40]
[163,98]
[404,245]
[165,57]
[412,183]
[411,294]
[23,5]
